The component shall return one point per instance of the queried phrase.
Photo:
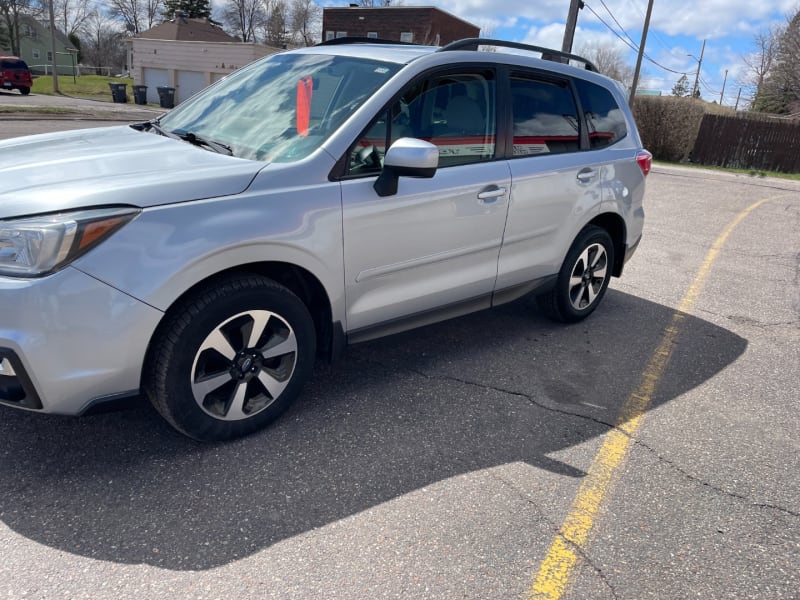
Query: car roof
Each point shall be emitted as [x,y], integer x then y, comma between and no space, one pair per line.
[510,53]
[394,53]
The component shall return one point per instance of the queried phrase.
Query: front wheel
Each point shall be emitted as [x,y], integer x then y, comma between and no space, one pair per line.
[583,278]
[230,358]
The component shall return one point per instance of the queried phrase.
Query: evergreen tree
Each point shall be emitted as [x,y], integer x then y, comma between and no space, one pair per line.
[681,87]
[193,9]
[779,92]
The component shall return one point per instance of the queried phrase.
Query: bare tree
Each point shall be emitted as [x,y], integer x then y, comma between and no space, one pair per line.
[138,15]
[275,28]
[244,17]
[609,61]
[306,17]
[376,2]
[103,44]
[10,12]
[759,62]
[70,15]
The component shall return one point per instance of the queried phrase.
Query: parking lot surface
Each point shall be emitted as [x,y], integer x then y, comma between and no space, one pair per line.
[443,462]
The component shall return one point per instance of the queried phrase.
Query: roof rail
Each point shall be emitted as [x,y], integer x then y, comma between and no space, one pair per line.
[547,53]
[360,40]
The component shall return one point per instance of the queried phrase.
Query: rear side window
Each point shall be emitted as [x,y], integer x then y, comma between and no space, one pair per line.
[604,118]
[13,64]
[545,117]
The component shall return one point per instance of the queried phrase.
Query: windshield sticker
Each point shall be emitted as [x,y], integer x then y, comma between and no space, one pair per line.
[381,70]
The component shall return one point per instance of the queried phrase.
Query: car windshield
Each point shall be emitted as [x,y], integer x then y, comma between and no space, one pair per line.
[282,108]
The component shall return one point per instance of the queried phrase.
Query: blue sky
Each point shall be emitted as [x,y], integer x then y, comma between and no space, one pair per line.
[677,29]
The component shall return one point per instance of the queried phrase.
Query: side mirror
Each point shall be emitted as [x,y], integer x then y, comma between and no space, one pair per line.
[407,157]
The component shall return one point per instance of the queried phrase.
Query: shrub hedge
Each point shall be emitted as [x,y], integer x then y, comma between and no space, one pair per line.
[668,125]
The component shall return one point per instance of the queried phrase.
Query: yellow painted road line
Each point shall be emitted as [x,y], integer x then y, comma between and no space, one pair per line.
[563,556]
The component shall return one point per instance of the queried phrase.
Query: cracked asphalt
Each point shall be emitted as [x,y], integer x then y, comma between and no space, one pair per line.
[440,463]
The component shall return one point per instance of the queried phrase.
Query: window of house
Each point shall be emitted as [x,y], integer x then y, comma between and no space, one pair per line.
[545,117]
[372,34]
[407,37]
[604,119]
[456,112]
[49,57]
[329,35]
[35,53]
[341,34]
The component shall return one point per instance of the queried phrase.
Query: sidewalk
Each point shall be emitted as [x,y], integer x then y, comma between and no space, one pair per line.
[72,108]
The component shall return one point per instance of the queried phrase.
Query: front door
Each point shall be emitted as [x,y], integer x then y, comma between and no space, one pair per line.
[435,244]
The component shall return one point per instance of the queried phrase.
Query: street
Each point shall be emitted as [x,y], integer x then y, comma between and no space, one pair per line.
[442,462]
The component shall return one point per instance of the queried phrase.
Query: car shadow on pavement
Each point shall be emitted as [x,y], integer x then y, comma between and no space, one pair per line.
[393,416]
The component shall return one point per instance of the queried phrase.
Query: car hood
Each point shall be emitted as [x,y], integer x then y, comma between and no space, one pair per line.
[110,166]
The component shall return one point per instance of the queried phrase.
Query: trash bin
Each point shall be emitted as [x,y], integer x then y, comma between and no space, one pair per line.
[118,93]
[166,96]
[140,94]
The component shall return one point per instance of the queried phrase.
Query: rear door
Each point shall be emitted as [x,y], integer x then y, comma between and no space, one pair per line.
[555,185]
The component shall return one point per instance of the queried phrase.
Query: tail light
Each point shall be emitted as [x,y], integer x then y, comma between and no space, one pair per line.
[645,160]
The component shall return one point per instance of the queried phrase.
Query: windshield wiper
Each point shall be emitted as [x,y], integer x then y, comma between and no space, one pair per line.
[197,140]
[154,126]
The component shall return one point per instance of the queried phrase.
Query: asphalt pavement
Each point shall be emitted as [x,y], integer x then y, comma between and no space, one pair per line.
[444,461]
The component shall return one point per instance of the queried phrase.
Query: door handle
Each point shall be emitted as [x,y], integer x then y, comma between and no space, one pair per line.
[586,175]
[491,193]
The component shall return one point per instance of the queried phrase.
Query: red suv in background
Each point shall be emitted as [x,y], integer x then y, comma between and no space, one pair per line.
[14,73]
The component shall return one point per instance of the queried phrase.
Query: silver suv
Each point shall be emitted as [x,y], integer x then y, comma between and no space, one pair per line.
[315,198]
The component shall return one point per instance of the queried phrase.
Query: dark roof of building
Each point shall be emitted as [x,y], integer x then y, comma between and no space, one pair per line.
[187,30]
[390,9]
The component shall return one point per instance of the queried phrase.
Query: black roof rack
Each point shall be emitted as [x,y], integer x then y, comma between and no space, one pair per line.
[547,53]
[360,40]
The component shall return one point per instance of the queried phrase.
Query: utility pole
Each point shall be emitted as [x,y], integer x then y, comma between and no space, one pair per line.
[739,95]
[697,75]
[722,93]
[53,45]
[641,53]
[572,22]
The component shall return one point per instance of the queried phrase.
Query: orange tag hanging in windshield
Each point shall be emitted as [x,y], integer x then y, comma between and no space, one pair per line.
[305,88]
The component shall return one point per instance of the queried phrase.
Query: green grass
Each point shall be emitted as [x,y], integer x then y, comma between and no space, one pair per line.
[750,172]
[83,86]
[50,110]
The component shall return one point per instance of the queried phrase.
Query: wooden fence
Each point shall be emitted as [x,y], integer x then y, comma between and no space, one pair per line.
[748,143]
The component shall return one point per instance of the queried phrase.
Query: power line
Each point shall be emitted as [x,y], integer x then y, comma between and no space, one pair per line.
[633,46]
[608,10]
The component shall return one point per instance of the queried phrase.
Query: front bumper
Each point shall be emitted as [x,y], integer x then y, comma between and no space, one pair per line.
[67,340]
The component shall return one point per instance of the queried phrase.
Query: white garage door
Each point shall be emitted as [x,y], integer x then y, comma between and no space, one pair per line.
[189,83]
[154,78]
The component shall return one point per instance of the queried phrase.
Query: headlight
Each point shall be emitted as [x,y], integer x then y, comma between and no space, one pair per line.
[36,246]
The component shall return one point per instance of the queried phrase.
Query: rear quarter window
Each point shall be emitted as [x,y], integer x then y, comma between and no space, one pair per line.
[604,118]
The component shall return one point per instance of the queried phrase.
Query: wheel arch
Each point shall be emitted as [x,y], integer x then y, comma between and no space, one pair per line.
[301,282]
[615,226]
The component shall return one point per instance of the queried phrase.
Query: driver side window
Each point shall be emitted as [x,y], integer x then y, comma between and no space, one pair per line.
[454,111]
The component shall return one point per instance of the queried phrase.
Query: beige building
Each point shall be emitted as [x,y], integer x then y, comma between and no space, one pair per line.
[187,55]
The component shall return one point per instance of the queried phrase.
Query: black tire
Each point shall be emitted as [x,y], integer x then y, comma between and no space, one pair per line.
[231,358]
[578,290]
[24,91]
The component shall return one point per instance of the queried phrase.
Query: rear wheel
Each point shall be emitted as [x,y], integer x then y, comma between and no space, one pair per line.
[24,91]
[231,358]
[583,278]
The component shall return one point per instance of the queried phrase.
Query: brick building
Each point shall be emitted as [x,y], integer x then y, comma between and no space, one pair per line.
[425,25]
